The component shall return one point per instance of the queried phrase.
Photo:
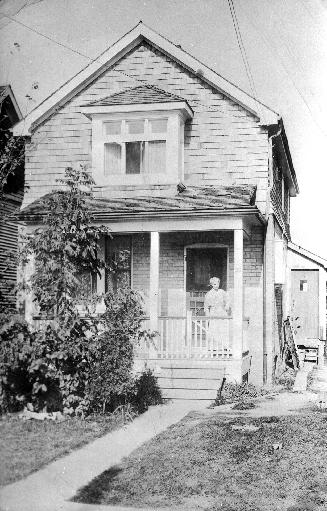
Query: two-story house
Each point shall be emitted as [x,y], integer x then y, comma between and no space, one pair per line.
[194,178]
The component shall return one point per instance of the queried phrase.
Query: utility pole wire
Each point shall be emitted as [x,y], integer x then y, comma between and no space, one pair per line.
[96,59]
[243,50]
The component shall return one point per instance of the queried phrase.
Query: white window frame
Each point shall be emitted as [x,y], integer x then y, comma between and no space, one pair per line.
[125,137]
[176,115]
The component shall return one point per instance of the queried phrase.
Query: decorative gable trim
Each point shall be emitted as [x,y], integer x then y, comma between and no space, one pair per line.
[141,32]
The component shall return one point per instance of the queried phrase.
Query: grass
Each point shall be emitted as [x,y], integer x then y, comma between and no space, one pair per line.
[26,446]
[203,464]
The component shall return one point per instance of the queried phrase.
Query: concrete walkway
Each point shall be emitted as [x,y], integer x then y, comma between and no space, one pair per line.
[51,488]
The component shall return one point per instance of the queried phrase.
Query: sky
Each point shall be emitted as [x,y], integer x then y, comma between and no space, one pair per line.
[286,48]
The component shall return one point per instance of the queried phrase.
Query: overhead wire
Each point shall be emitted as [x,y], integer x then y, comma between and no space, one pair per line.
[95,59]
[242,49]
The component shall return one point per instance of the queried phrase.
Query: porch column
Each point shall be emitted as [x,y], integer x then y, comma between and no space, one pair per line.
[154,280]
[238,295]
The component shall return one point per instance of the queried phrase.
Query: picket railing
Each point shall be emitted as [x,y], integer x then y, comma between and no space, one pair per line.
[189,337]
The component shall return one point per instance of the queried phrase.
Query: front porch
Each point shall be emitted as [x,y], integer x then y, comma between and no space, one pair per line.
[188,355]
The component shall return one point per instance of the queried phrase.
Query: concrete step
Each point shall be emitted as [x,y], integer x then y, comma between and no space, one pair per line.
[190,383]
[191,372]
[190,394]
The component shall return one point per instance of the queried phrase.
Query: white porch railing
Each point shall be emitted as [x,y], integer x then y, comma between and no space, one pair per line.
[189,337]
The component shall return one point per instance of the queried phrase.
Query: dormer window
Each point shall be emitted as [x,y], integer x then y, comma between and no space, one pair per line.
[135,146]
[138,137]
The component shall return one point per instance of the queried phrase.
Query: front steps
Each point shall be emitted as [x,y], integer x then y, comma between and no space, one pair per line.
[190,383]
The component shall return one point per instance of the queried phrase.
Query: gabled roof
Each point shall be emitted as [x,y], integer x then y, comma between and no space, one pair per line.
[194,199]
[129,41]
[308,255]
[143,94]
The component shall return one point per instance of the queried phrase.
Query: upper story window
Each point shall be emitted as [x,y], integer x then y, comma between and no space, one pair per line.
[138,137]
[135,146]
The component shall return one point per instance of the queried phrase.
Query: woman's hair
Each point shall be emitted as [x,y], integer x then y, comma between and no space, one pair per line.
[213,280]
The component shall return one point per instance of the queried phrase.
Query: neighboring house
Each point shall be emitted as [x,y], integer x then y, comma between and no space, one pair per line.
[307,294]
[194,178]
[10,201]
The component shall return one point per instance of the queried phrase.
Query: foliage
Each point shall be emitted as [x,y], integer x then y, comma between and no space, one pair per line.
[66,247]
[15,384]
[12,153]
[238,392]
[86,368]
[147,391]
[112,382]
[73,363]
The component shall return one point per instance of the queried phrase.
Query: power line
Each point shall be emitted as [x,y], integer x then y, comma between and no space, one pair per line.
[92,60]
[242,49]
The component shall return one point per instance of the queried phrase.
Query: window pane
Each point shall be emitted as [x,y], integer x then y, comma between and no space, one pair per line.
[134,157]
[135,127]
[158,125]
[304,285]
[113,127]
[157,157]
[112,159]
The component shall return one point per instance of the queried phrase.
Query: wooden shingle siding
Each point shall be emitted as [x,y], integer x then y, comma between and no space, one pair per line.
[223,143]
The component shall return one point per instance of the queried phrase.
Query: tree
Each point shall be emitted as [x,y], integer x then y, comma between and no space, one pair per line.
[66,247]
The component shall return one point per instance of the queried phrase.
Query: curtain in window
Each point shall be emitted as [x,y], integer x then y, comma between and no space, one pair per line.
[157,157]
[112,159]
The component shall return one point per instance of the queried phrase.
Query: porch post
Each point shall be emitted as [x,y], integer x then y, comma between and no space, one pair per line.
[154,280]
[238,295]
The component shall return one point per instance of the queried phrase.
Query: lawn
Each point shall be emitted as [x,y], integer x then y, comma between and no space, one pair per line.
[203,463]
[26,446]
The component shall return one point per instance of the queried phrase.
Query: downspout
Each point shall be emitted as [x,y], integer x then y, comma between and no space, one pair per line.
[268,215]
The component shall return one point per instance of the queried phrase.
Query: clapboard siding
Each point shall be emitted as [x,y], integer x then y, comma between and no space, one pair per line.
[223,143]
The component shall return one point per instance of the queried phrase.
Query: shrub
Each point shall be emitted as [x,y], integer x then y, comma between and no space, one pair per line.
[112,381]
[147,392]
[15,345]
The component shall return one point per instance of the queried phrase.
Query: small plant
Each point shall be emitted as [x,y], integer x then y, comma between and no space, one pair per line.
[239,393]
[147,391]
[286,378]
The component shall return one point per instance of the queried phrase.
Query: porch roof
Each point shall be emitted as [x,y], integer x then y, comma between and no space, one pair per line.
[192,200]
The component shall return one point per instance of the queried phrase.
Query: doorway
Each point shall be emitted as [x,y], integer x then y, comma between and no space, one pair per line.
[202,263]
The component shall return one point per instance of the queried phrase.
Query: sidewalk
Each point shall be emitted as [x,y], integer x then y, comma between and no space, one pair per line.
[51,488]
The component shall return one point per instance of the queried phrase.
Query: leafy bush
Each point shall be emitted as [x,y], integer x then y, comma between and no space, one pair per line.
[81,367]
[112,381]
[147,392]
[15,383]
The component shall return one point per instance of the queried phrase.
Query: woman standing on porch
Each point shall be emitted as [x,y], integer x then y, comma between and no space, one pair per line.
[217,306]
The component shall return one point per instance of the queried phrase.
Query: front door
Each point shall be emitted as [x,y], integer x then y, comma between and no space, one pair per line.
[203,263]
